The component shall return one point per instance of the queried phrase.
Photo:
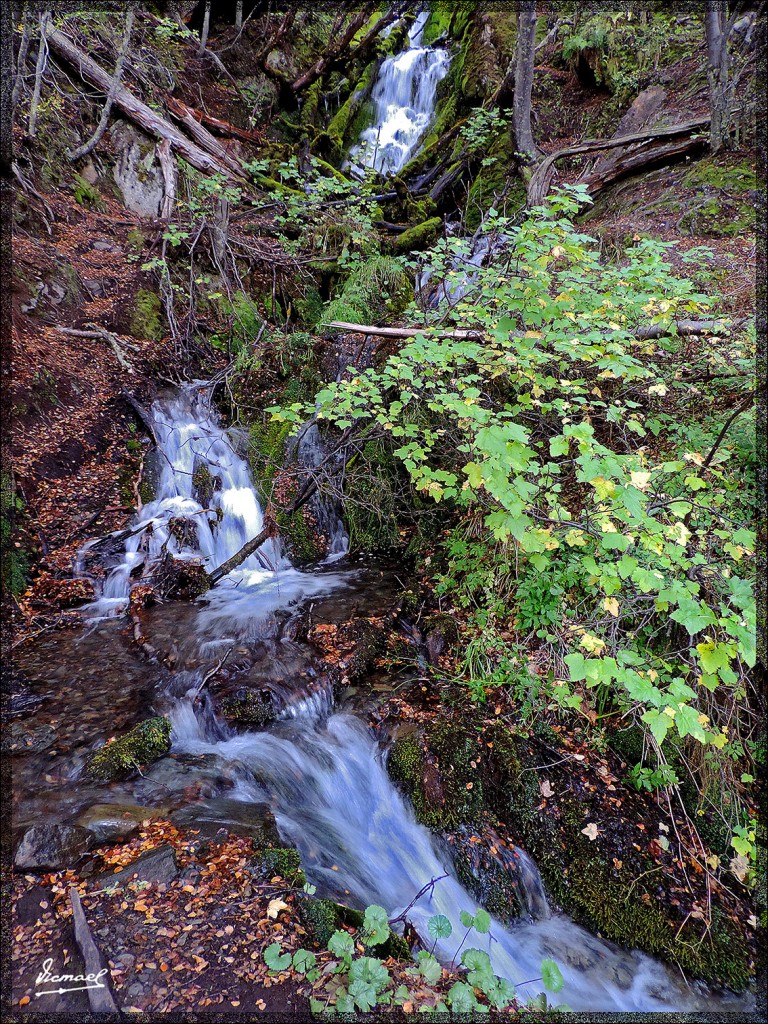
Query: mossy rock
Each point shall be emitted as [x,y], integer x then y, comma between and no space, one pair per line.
[284,862]
[442,633]
[248,706]
[322,917]
[418,237]
[145,743]
[147,320]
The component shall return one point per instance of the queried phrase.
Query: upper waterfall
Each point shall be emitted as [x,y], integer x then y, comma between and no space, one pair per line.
[404,103]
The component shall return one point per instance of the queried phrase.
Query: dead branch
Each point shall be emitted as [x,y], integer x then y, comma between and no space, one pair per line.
[317,69]
[224,127]
[99,994]
[40,65]
[368,38]
[684,327]
[542,176]
[204,160]
[269,531]
[18,83]
[101,127]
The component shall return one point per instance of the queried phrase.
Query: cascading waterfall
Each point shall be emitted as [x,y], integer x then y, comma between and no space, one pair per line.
[404,103]
[206,507]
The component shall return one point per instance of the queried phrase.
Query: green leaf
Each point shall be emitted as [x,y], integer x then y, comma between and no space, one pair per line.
[551,976]
[369,969]
[659,724]
[482,921]
[477,960]
[694,615]
[364,995]
[688,724]
[461,998]
[344,1002]
[429,967]
[342,944]
[274,960]
[376,925]
[304,961]
[439,927]
[466,919]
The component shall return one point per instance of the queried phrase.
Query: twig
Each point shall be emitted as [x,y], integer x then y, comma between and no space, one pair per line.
[422,891]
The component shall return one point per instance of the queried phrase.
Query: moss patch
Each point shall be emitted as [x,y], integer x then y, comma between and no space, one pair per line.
[145,743]
[147,320]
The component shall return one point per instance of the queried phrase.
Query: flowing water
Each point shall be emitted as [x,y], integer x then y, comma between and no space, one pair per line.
[404,104]
[319,766]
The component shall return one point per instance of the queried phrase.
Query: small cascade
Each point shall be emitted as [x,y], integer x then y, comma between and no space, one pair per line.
[206,507]
[325,779]
[404,102]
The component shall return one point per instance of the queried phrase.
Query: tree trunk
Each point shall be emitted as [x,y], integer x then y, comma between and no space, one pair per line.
[170,178]
[42,60]
[525,49]
[21,61]
[239,15]
[717,71]
[205,29]
[142,115]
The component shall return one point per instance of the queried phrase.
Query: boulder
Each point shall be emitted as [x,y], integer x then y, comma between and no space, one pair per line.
[234,816]
[114,823]
[157,865]
[52,846]
[136,171]
[145,743]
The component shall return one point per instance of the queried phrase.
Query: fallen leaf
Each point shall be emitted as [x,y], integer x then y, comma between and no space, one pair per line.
[275,906]
[591,831]
[546,788]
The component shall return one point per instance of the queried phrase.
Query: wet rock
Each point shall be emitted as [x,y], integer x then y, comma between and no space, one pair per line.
[52,846]
[145,743]
[157,865]
[235,816]
[367,641]
[32,904]
[182,778]
[113,823]
[246,705]
[27,738]
[204,483]
[95,286]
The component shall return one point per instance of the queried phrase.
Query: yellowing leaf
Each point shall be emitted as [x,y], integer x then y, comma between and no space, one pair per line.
[533,334]
[713,861]
[591,831]
[592,644]
[275,906]
[611,605]
[640,479]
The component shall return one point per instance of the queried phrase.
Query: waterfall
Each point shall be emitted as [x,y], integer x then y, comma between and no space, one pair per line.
[404,104]
[205,507]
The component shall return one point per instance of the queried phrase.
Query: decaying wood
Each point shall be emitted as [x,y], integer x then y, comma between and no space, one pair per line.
[684,327]
[540,181]
[146,118]
[269,531]
[175,104]
[101,127]
[117,347]
[204,139]
[99,994]
[141,412]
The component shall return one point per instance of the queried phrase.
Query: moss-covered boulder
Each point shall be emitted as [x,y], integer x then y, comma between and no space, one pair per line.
[147,319]
[441,633]
[145,743]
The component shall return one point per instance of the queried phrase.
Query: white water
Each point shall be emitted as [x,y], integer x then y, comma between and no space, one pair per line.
[359,841]
[190,436]
[404,102]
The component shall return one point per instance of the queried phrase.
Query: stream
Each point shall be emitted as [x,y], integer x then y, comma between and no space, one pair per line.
[318,767]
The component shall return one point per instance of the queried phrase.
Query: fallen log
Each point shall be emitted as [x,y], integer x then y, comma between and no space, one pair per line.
[214,122]
[146,118]
[541,178]
[269,531]
[683,327]
[308,77]
[96,969]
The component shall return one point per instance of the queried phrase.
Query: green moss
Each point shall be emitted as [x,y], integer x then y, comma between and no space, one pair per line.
[145,743]
[86,194]
[349,121]
[255,707]
[147,320]
[320,917]
[418,237]
[370,508]
[377,288]
[282,861]
[14,565]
